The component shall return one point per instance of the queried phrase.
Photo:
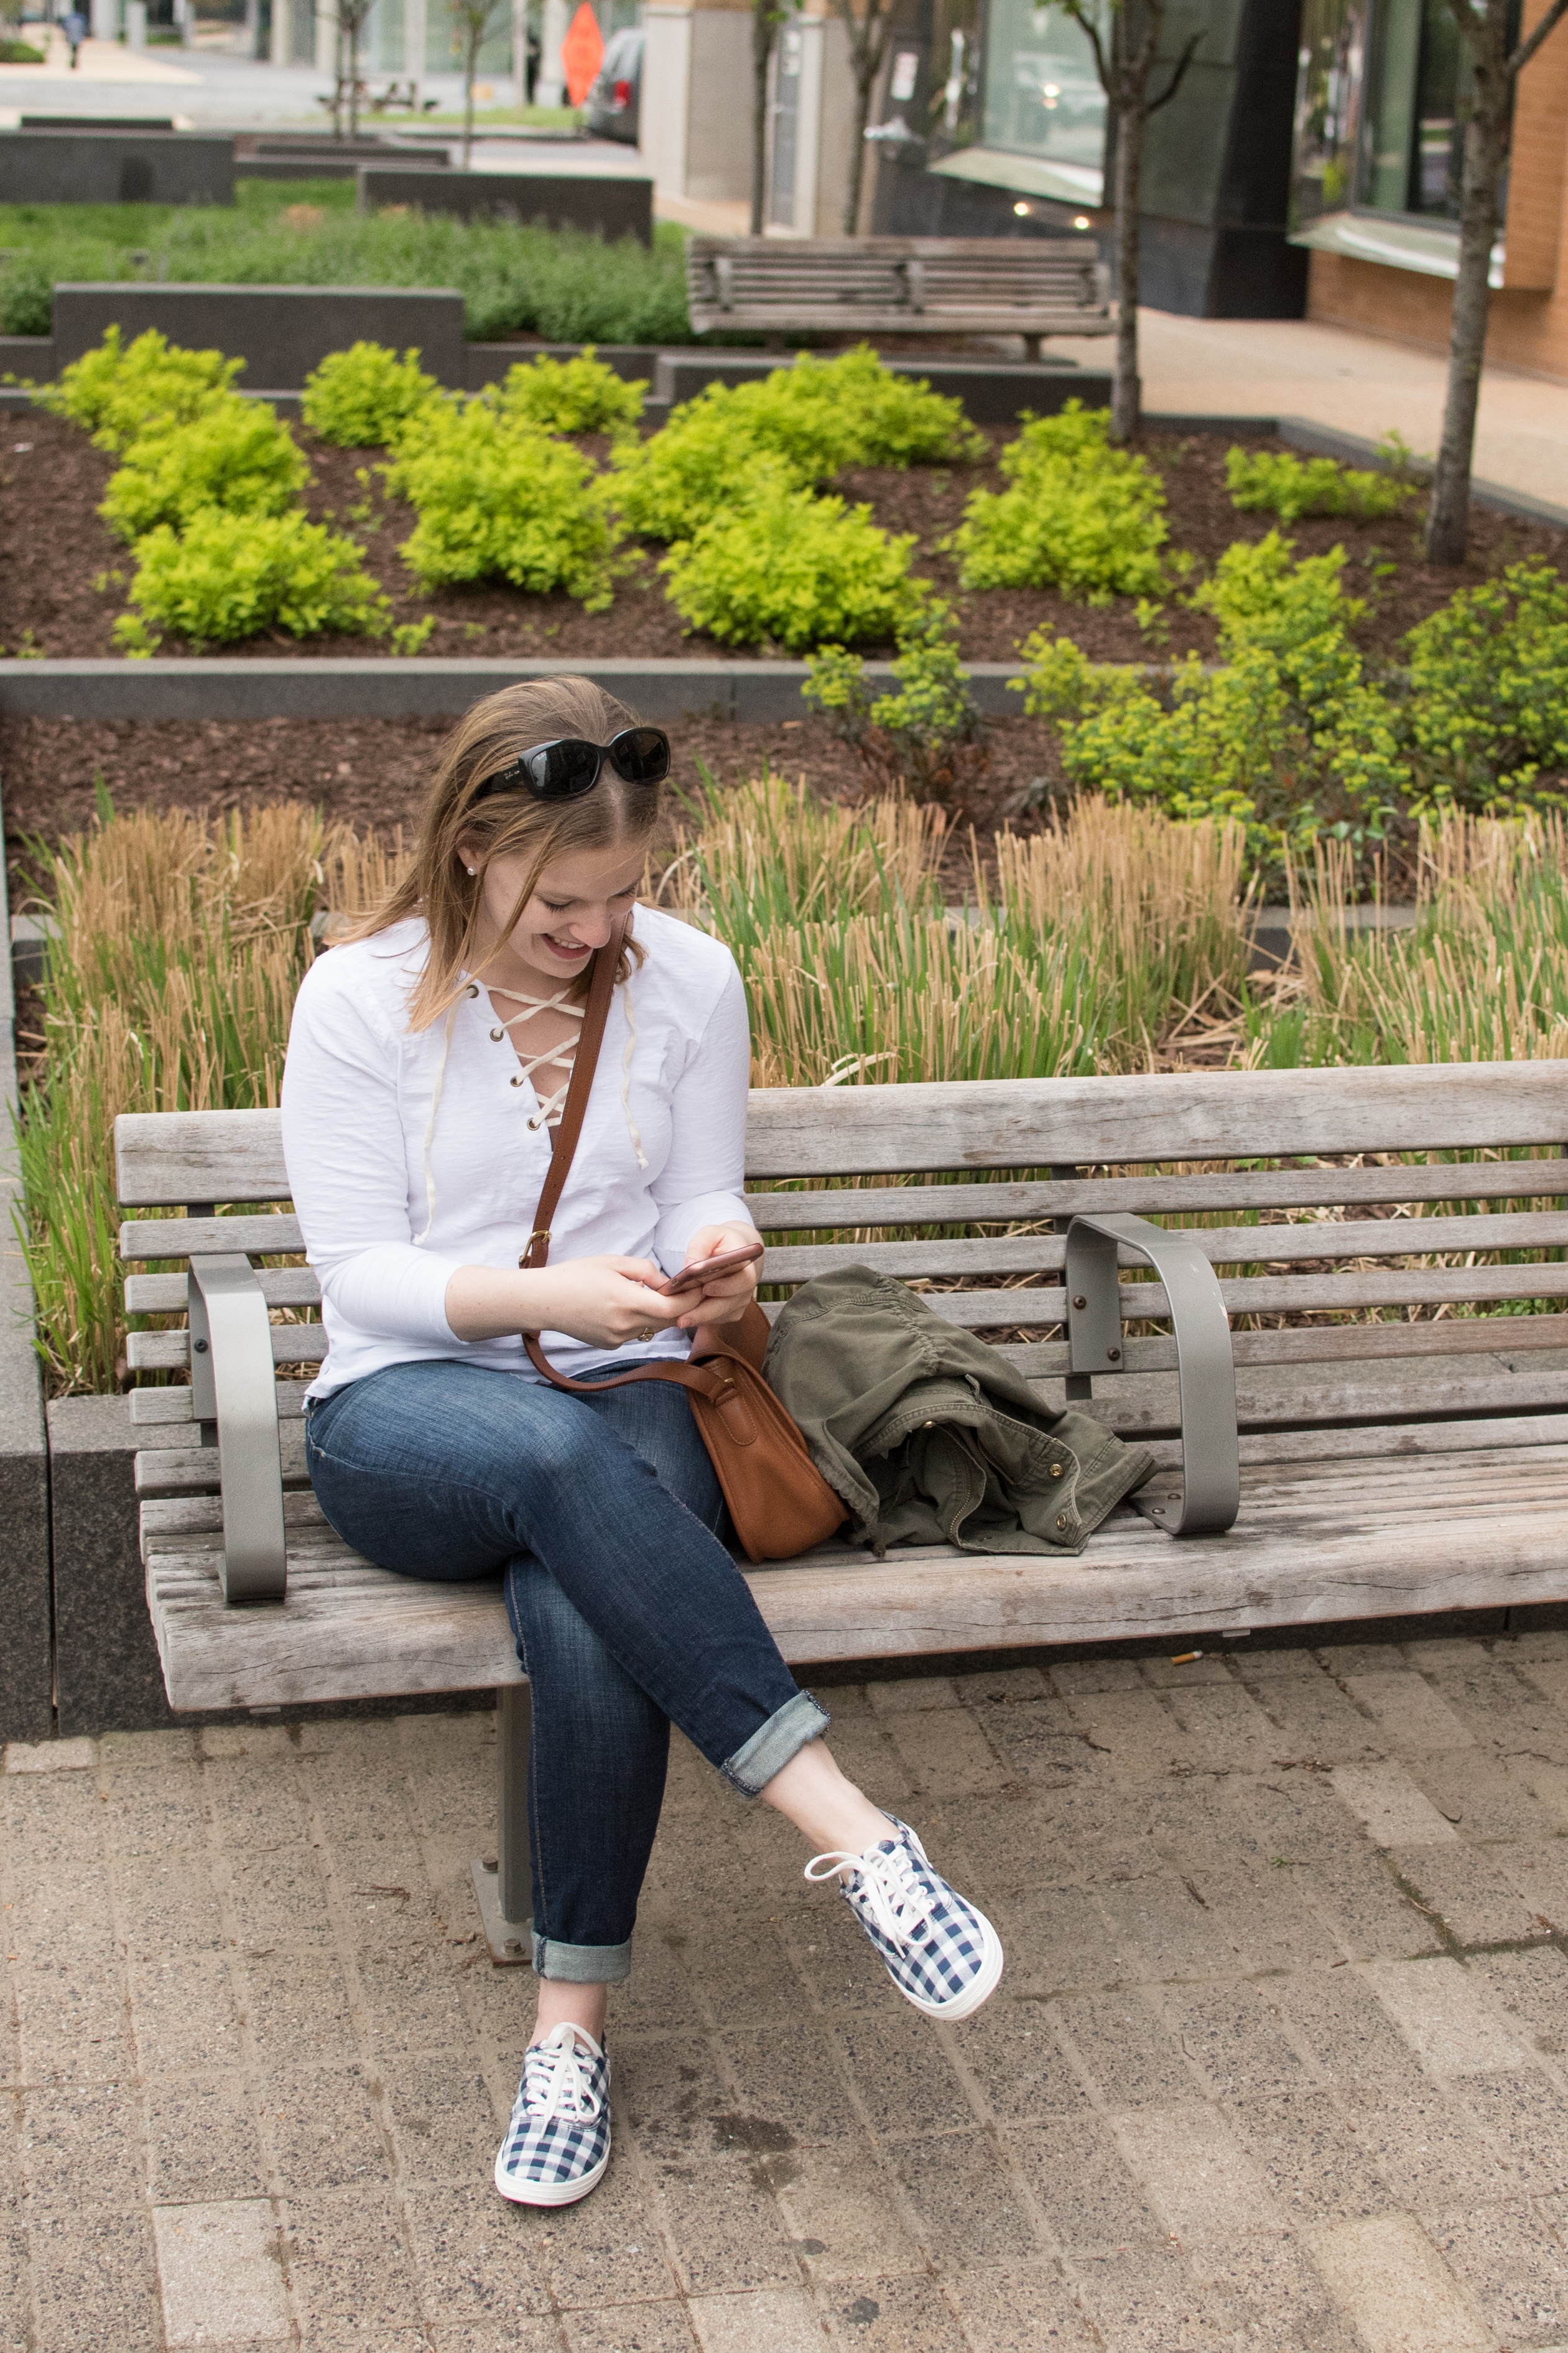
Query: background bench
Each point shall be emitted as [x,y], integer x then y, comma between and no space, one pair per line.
[1386,1468]
[898,285]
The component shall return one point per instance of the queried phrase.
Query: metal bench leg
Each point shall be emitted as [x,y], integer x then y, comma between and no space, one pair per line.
[503,1886]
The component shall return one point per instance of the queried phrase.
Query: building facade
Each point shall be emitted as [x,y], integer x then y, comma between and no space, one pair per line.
[1381,100]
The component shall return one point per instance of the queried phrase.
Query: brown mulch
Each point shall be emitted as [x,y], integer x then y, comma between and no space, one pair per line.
[375,771]
[51,481]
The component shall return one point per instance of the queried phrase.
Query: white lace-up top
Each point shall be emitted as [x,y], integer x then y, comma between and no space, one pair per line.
[411,1155]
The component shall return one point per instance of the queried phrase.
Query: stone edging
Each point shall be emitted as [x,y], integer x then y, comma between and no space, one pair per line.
[383,687]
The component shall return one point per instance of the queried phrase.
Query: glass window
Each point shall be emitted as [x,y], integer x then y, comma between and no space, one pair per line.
[1328,100]
[1420,99]
[1043,96]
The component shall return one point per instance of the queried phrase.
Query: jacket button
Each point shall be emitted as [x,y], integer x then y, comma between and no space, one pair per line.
[1056,1470]
[1062,1520]
[497,1035]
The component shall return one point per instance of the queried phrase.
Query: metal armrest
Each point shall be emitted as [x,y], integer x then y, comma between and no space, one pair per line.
[234,1385]
[1206,1369]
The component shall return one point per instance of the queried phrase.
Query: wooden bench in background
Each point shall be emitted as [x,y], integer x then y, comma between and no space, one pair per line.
[898,285]
[1413,1464]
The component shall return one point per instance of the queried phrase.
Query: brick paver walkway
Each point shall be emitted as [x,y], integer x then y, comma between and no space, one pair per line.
[1280,2059]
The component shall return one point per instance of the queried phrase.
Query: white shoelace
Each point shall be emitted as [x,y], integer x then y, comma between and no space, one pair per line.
[555,2078]
[888,1887]
[561,1056]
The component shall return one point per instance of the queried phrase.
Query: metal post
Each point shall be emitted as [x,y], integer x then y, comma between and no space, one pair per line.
[1078,1387]
[502,1883]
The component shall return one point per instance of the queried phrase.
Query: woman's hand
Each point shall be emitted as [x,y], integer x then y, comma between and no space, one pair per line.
[605,1302]
[730,1296]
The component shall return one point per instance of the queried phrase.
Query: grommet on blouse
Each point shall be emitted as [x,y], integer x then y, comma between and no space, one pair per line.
[497,1036]
[517,1080]
[473,988]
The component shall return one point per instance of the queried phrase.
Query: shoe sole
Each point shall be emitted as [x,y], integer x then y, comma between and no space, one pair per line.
[549,2193]
[981,1987]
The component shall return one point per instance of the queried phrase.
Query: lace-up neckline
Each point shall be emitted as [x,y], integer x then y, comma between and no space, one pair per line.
[563,1056]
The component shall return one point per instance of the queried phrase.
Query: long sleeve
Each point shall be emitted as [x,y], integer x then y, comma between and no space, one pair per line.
[702,1180]
[343,1143]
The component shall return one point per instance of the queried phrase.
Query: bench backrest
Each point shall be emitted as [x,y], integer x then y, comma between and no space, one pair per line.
[893,273]
[1382,1254]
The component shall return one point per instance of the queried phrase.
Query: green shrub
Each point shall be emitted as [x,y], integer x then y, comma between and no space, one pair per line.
[118,390]
[236,455]
[502,501]
[1079,515]
[576,396]
[359,399]
[27,297]
[1488,689]
[794,571]
[1275,482]
[929,736]
[1286,734]
[796,427]
[231,576]
[822,415]
[703,462]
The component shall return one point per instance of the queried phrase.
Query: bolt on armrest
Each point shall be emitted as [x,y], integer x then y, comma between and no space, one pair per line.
[233,1384]
[1206,1368]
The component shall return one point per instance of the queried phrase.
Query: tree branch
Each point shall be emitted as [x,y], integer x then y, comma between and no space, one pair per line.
[1180,73]
[1526,49]
[1086,25]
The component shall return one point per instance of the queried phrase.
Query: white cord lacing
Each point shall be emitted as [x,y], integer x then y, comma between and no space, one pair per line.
[889,1887]
[555,2081]
[564,1056]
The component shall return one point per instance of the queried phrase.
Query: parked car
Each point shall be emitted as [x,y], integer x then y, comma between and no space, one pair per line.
[613,103]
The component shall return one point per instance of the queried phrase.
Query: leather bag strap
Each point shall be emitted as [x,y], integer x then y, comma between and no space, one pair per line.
[564,1146]
[563,1139]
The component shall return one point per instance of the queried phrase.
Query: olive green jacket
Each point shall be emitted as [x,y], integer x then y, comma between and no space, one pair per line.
[927,1432]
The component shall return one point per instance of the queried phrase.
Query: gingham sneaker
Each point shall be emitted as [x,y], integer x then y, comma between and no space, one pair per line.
[940,1953]
[558,2142]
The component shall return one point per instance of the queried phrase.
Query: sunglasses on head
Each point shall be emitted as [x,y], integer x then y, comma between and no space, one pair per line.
[570,766]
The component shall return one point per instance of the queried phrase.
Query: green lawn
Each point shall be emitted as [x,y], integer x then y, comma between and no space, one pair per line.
[562,285]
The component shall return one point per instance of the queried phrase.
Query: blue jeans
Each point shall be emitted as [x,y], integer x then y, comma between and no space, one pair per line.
[630,1614]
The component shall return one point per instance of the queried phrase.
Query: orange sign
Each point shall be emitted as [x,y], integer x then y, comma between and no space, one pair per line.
[582,53]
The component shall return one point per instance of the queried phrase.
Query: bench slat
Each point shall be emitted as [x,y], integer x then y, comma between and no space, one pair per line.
[1312,1187]
[237,1156]
[169,1295]
[166,1351]
[1221,1245]
[264,1237]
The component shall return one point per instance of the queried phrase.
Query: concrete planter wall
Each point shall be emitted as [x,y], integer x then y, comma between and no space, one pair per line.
[116,167]
[614,205]
[281,333]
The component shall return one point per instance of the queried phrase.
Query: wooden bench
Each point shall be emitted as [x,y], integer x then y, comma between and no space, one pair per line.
[898,285]
[1412,1464]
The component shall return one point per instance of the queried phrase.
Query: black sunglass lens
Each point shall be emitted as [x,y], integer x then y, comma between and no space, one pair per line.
[641,756]
[560,772]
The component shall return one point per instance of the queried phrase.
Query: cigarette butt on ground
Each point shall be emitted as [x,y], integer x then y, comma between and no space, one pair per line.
[1186,1658]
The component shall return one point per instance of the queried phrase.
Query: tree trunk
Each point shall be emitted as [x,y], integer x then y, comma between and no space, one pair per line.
[1126,395]
[763,29]
[864,67]
[470,66]
[1486,146]
[353,76]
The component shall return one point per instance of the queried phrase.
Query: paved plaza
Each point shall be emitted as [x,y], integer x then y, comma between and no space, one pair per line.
[1280,2060]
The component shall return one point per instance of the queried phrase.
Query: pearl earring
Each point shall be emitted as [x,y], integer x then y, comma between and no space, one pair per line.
[473,870]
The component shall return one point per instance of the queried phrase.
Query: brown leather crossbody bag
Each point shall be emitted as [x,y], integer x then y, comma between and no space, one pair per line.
[778,1501]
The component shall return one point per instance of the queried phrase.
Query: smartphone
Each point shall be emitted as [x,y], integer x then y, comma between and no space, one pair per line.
[698,1276]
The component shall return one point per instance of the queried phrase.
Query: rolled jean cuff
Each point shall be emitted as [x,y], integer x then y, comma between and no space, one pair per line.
[580,1964]
[784,1734]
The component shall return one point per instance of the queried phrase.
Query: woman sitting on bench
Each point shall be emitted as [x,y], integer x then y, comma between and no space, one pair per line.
[429,1058]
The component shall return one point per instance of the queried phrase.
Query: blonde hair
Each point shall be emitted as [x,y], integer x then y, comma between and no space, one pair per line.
[488,739]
